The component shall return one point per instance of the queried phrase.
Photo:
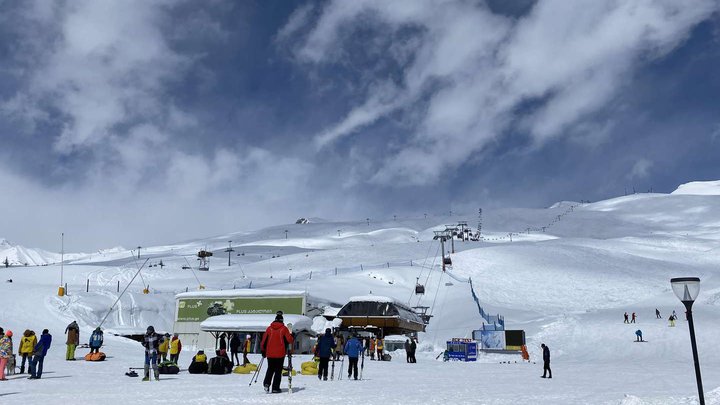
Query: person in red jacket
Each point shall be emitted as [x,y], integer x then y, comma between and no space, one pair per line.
[274,346]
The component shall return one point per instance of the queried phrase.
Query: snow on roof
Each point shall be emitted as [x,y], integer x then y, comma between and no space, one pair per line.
[371,298]
[330,311]
[242,292]
[699,188]
[253,323]
[396,338]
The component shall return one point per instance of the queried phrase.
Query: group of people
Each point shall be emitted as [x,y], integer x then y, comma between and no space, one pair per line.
[31,349]
[373,346]
[221,363]
[169,345]
[410,347]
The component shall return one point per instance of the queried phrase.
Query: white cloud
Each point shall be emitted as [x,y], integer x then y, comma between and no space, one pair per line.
[473,74]
[641,169]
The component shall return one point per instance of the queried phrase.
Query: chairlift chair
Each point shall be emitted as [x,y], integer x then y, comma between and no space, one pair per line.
[419,289]
[447,261]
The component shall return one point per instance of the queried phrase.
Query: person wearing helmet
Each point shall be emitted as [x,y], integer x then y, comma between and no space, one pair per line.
[247,346]
[151,341]
[6,352]
[325,346]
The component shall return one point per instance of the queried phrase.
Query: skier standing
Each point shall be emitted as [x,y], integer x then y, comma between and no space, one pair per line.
[413,347]
[96,340]
[324,350]
[175,348]
[73,340]
[353,349]
[235,349]
[274,347]
[164,347]
[246,349]
[39,352]
[27,343]
[151,341]
[546,361]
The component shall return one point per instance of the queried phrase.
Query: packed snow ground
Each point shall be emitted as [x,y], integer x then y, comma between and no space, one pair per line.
[567,287]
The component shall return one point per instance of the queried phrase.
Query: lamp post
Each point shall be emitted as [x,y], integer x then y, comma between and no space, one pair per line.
[139,247]
[687,290]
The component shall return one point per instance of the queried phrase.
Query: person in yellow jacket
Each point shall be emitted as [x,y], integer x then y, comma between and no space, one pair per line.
[175,348]
[380,347]
[163,347]
[247,346]
[27,344]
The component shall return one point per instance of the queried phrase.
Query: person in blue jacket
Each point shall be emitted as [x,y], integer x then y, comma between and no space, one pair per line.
[96,340]
[325,345]
[546,361]
[39,352]
[353,349]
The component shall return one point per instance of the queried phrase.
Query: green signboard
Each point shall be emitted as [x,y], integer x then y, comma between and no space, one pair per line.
[199,309]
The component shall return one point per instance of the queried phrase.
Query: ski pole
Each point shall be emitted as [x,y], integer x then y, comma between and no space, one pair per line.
[257,372]
[362,364]
[290,372]
[342,362]
[332,369]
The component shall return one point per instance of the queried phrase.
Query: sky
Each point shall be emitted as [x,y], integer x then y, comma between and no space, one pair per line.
[148,122]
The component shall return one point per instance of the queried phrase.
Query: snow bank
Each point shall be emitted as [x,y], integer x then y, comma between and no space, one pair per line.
[699,188]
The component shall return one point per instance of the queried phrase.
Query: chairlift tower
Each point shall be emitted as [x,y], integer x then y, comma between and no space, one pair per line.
[451,230]
[229,251]
[442,236]
[462,225]
[204,255]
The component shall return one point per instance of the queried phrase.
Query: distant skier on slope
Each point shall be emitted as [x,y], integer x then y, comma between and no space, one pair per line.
[626,318]
[633,318]
[546,361]
[657,314]
[638,336]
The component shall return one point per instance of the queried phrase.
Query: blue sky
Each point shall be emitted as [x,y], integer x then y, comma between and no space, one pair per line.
[137,122]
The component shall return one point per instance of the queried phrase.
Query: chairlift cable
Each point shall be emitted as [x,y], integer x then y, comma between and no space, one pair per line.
[193,272]
[123,293]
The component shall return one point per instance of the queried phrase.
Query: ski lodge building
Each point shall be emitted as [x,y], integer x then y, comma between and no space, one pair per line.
[201,316]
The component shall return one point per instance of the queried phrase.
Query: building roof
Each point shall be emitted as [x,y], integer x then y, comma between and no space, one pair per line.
[253,323]
[371,298]
[240,292]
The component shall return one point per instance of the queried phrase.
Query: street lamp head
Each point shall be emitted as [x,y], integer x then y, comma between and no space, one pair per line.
[686,289]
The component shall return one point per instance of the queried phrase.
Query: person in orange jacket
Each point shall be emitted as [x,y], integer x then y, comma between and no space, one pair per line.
[273,346]
[372,349]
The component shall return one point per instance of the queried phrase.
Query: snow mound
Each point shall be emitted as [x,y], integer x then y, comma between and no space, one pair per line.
[699,188]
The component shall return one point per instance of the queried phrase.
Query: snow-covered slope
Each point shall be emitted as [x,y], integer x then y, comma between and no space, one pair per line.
[564,274]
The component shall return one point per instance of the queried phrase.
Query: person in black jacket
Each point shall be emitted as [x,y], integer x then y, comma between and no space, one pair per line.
[325,345]
[223,342]
[220,364]
[413,348]
[407,350]
[546,361]
[235,344]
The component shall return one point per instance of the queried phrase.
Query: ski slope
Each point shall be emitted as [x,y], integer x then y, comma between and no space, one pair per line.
[566,285]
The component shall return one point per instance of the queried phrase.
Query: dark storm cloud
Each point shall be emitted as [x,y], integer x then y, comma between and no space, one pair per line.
[148,122]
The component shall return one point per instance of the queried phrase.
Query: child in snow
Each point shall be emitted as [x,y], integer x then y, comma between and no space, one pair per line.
[6,352]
